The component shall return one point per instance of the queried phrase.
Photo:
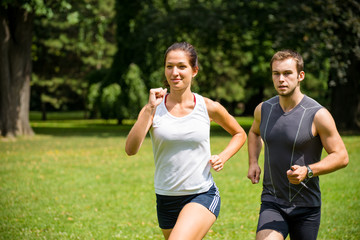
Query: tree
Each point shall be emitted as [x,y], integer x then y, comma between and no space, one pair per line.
[77,40]
[15,69]
[132,89]
[70,40]
[228,35]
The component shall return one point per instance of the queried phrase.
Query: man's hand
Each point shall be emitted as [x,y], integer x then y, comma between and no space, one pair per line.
[254,173]
[296,174]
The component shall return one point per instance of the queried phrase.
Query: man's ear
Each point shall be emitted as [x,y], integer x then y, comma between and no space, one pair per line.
[301,76]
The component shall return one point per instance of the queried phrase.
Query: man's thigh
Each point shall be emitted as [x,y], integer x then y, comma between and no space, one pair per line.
[300,222]
[305,223]
[271,218]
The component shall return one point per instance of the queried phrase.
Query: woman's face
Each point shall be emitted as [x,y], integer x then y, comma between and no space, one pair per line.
[178,70]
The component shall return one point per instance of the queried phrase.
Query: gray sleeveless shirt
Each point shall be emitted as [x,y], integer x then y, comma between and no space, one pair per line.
[289,141]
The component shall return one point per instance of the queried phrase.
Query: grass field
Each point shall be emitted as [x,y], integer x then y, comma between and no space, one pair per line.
[73,180]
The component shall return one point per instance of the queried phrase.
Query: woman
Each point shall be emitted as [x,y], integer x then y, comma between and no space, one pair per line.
[188,200]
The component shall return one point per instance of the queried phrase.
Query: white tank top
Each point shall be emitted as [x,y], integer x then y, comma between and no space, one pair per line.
[181,147]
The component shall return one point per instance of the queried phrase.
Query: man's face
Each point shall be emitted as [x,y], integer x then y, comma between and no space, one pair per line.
[285,77]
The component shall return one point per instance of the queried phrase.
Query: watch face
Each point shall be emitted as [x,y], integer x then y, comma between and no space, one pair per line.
[310,173]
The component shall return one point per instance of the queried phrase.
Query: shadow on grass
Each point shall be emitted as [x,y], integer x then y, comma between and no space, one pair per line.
[92,130]
[105,130]
[73,124]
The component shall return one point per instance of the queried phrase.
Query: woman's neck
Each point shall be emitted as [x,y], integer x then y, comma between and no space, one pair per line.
[180,96]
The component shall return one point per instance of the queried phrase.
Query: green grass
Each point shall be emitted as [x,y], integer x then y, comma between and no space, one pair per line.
[73,180]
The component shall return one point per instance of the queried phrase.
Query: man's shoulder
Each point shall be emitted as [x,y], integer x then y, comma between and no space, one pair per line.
[273,100]
[309,102]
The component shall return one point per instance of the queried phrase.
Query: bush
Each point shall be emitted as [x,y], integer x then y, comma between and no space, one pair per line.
[109,101]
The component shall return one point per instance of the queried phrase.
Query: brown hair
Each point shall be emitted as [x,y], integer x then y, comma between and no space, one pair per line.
[285,54]
[186,47]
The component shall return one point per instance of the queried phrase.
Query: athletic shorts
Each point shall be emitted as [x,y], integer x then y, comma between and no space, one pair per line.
[299,222]
[169,207]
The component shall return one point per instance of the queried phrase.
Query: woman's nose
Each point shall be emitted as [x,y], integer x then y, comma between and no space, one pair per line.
[175,71]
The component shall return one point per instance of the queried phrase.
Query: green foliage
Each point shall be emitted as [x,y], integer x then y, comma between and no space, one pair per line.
[38,7]
[233,46]
[327,34]
[136,93]
[74,181]
[93,99]
[56,92]
[109,100]
[71,43]
[234,39]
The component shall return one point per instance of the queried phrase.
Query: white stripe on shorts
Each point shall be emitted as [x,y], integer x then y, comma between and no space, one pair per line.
[215,201]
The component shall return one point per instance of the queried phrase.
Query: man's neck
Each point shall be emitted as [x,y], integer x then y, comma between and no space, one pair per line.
[288,103]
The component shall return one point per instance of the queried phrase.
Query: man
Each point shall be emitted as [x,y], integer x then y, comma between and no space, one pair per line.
[294,129]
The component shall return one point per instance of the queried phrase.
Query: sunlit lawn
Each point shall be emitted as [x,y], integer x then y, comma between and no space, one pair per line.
[73,181]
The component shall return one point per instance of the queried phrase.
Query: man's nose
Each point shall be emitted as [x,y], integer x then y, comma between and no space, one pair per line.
[281,77]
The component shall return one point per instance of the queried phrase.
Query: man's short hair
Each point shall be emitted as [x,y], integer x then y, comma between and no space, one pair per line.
[287,53]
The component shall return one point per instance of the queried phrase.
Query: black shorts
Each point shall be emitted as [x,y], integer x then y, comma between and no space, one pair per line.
[169,207]
[299,222]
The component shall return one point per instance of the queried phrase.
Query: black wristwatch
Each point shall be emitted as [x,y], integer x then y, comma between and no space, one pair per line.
[310,173]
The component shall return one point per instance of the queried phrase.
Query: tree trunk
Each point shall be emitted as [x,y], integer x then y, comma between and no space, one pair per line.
[345,99]
[43,111]
[15,71]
